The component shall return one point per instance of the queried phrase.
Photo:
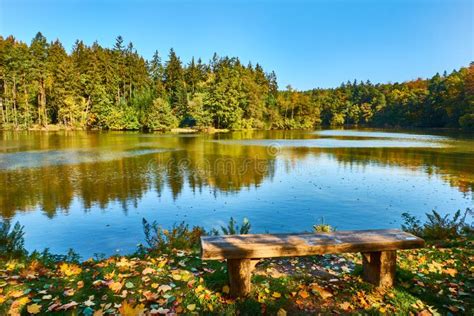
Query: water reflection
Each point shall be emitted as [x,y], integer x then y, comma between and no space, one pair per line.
[48,171]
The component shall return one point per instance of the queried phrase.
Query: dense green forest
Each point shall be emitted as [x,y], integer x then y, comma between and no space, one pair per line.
[115,88]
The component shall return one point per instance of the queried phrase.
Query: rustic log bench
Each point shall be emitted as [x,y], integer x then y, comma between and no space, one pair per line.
[378,248]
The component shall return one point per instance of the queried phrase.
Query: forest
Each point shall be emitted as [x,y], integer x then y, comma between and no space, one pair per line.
[93,87]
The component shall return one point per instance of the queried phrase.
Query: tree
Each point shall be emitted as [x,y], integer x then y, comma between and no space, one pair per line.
[175,85]
[115,88]
[160,116]
[41,76]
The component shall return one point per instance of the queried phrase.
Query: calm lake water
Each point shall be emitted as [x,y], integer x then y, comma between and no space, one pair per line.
[90,190]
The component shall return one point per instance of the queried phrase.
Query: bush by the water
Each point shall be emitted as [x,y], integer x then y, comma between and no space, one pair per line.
[438,227]
[11,240]
[323,227]
[233,229]
[178,237]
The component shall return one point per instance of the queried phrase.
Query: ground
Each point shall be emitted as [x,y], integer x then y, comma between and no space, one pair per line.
[433,280]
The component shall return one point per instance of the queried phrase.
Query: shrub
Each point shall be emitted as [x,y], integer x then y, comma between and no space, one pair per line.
[160,116]
[438,227]
[179,237]
[233,229]
[323,228]
[12,242]
[467,121]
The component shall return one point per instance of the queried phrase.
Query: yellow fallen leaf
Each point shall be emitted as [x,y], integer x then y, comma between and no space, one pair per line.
[176,277]
[115,286]
[225,289]
[276,294]
[69,269]
[15,293]
[452,272]
[127,309]
[147,270]
[281,312]
[199,288]
[323,292]
[191,307]
[18,304]
[33,308]
[345,306]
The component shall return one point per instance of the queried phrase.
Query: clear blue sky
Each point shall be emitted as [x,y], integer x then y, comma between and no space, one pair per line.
[308,43]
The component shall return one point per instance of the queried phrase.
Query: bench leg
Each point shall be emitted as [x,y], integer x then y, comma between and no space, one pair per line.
[239,271]
[379,267]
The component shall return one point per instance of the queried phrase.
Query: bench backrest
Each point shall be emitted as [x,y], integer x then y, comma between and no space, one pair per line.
[305,244]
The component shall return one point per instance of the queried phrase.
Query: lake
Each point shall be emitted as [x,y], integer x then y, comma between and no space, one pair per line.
[90,190]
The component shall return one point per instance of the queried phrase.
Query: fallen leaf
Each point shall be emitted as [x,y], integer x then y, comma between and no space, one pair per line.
[225,289]
[345,306]
[33,308]
[303,294]
[68,305]
[127,309]
[281,312]
[452,272]
[115,286]
[147,270]
[69,292]
[16,293]
[164,288]
[321,291]
[69,269]
[191,307]
[99,312]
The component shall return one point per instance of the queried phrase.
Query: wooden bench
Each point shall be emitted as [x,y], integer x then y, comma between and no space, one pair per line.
[378,248]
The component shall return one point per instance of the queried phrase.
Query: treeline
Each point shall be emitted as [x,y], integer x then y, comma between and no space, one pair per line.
[115,88]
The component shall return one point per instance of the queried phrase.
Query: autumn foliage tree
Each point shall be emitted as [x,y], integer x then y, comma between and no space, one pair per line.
[116,88]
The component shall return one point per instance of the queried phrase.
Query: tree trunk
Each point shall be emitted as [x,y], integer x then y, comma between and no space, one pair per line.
[27,107]
[42,119]
[15,112]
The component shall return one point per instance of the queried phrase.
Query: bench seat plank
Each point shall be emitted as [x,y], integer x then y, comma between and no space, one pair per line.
[305,244]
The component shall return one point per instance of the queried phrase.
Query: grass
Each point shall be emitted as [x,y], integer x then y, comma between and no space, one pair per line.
[435,280]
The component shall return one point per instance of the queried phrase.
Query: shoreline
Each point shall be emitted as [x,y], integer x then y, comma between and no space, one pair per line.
[213,130]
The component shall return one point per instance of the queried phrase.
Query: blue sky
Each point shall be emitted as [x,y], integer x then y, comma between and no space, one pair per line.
[308,43]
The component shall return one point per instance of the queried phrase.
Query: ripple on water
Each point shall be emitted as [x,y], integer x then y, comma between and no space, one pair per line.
[41,158]
[336,143]
[375,134]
